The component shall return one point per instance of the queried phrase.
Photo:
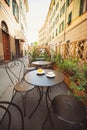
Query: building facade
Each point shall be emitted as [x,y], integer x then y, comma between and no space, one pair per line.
[13,28]
[42,35]
[67,22]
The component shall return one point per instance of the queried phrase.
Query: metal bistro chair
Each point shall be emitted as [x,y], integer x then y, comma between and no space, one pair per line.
[68,109]
[6,89]
[16,70]
[9,114]
[27,64]
[7,110]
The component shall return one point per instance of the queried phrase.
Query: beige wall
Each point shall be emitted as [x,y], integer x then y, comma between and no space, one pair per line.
[14,27]
[76,6]
[11,24]
[78,32]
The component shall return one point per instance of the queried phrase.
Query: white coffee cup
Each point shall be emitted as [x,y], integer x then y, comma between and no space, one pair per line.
[50,73]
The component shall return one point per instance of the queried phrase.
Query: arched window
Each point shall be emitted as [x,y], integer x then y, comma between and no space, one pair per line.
[4,26]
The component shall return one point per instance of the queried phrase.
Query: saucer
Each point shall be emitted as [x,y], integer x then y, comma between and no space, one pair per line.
[40,73]
[51,75]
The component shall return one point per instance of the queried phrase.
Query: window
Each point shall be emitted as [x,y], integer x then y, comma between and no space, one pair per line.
[56,31]
[15,10]
[61,27]
[52,35]
[57,5]
[69,18]
[53,24]
[49,38]
[68,2]
[21,4]
[57,19]
[4,26]
[22,28]
[62,10]
[83,6]
[54,2]
[8,2]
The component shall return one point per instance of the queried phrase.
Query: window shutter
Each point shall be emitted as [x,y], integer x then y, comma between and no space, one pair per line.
[67,3]
[69,18]
[8,2]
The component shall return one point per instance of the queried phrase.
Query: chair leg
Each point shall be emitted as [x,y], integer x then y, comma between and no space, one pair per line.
[41,95]
[44,122]
[14,93]
[9,114]
[40,91]
[23,100]
[48,116]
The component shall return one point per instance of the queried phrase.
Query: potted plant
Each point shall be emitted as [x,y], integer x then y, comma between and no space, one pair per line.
[85,69]
[74,77]
[78,84]
[40,54]
[69,67]
[58,60]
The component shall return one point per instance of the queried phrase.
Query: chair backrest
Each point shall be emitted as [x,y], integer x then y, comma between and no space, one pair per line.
[26,61]
[10,113]
[6,89]
[15,70]
[5,81]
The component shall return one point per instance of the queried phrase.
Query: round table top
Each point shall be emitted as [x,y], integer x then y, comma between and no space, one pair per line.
[42,80]
[40,63]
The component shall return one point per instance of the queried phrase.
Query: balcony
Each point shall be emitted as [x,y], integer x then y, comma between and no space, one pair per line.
[36,121]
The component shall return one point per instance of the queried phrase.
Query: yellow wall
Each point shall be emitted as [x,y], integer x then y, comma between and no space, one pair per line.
[76,8]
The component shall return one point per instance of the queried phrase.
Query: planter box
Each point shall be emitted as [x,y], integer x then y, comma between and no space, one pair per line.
[81,94]
[66,79]
[76,92]
[55,67]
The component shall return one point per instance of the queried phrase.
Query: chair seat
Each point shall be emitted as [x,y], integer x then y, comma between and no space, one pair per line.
[30,68]
[23,86]
[68,108]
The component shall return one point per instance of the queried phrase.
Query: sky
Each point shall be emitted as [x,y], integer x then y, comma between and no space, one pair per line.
[38,10]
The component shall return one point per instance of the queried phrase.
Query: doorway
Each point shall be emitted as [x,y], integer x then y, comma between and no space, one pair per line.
[5,41]
[6,46]
[17,48]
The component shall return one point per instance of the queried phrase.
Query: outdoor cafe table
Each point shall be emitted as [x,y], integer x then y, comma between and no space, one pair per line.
[43,81]
[41,63]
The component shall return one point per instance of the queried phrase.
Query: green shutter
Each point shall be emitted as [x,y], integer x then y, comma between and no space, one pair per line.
[21,4]
[59,28]
[8,2]
[81,7]
[13,6]
[67,3]
[62,25]
[69,18]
